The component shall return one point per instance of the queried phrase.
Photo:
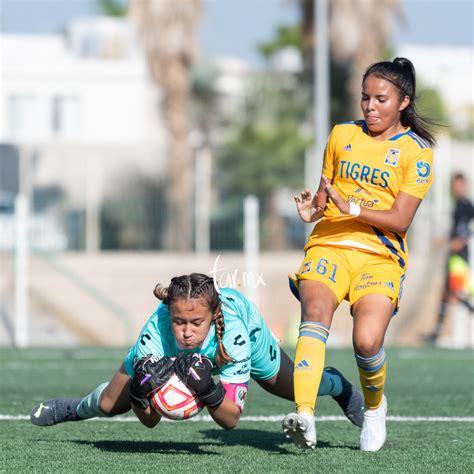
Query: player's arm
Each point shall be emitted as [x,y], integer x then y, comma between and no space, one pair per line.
[148,417]
[195,370]
[227,414]
[150,373]
[396,219]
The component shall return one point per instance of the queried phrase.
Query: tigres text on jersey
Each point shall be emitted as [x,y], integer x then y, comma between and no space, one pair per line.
[371,173]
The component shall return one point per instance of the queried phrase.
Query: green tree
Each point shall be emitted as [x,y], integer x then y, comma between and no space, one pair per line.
[117,8]
[265,152]
[168,32]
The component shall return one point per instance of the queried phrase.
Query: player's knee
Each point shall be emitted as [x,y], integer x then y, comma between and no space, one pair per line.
[315,311]
[366,346]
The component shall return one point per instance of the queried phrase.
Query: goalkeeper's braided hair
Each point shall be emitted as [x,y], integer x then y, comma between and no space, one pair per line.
[197,285]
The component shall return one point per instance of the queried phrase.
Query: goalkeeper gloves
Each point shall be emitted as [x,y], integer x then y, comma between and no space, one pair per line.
[195,371]
[151,373]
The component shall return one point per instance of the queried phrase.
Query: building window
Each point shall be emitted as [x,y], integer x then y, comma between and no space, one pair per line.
[66,116]
[21,115]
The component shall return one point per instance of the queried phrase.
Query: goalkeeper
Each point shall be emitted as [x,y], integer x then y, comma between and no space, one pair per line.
[198,332]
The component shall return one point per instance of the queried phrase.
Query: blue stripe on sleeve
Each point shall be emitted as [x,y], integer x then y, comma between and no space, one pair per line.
[416,138]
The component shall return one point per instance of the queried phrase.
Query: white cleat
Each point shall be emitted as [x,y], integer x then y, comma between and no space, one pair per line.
[300,428]
[374,433]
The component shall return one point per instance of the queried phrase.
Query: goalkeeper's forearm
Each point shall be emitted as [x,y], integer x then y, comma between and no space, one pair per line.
[147,417]
[226,415]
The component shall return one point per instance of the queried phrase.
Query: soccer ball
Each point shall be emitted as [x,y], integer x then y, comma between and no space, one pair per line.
[175,401]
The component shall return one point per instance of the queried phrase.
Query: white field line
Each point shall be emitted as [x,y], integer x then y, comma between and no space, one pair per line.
[276,418]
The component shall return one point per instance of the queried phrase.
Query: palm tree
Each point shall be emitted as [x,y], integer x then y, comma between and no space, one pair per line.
[168,30]
[359,35]
[360,31]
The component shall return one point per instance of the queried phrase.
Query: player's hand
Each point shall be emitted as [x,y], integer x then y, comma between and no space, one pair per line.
[151,373]
[335,197]
[195,370]
[307,206]
[456,244]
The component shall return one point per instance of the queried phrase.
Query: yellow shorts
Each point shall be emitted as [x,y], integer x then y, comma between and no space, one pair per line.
[352,274]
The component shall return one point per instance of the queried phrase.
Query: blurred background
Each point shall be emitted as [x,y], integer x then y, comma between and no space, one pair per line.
[144,139]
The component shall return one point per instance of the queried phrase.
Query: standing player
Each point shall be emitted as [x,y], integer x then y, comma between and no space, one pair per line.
[457,282]
[210,333]
[376,172]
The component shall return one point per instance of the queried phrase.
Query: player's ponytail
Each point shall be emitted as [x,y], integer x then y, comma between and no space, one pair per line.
[197,285]
[401,73]
[161,292]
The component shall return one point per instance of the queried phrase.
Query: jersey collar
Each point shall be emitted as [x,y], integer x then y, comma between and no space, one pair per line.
[365,129]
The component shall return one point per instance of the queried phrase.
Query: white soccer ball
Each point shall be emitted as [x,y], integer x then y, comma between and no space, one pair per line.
[175,401]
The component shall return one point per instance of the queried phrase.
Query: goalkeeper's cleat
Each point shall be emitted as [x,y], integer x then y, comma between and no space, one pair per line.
[350,400]
[300,428]
[374,433]
[54,411]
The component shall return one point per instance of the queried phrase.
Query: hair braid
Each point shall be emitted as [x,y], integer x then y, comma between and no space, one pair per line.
[222,355]
[161,292]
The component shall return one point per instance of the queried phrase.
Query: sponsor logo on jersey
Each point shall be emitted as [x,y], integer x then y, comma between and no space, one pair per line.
[243,371]
[362,201]
[367,285]
[348,147]
[423,169]
[307,267]
[303,365]
[242,360]
[392,157]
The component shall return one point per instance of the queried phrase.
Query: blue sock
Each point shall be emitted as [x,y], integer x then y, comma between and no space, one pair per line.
[331,384]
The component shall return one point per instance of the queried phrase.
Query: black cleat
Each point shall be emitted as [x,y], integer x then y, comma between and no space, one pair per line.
[350,400]
[54,411]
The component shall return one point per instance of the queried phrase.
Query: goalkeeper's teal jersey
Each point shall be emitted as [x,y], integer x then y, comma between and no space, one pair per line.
[247,340]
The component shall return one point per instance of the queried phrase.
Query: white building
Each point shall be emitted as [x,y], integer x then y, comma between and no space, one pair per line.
[89,86]
[83,105]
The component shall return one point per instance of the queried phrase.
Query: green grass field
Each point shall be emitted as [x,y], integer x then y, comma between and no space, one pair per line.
[421,383]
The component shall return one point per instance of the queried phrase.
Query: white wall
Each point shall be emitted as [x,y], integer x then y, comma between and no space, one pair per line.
[110,100]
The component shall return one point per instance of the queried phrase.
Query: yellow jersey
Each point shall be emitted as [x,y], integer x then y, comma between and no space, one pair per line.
[371,173]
